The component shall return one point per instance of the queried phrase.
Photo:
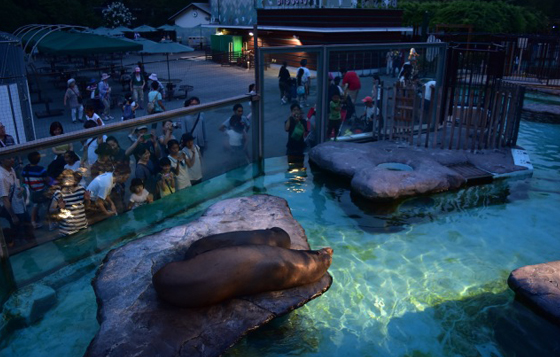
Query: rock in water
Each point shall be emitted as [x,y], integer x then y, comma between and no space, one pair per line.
[538,286]
[134,322]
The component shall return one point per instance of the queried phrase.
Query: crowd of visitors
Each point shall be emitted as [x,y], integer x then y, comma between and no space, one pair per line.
[71,189]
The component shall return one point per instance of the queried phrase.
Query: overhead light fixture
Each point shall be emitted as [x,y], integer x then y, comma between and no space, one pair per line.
[250,34]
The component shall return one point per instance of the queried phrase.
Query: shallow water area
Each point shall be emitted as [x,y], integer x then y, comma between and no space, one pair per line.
[424,277]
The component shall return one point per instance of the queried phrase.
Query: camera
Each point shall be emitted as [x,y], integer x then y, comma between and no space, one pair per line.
[147,136]
[176,125]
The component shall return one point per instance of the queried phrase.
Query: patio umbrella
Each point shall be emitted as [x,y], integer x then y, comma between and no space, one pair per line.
[166,47]
[101,30]
[123,29]
[144,28]
[115,32]
[70,43]
[167,27]
[148,45]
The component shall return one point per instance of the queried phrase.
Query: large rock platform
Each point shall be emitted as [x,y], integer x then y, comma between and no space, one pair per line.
[134,322]
[431,172]
[538,286]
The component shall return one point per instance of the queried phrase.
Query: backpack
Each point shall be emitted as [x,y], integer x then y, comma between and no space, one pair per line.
[151,106]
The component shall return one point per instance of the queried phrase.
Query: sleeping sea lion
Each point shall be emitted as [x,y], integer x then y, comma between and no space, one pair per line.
[276,237]
[229,272]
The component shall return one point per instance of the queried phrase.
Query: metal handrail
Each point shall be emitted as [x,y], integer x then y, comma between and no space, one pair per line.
[85,134]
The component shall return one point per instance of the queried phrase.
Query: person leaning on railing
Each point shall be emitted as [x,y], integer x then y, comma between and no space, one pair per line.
[12,205]
[100,190]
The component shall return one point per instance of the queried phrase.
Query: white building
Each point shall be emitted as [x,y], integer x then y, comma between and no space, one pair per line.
[195,14]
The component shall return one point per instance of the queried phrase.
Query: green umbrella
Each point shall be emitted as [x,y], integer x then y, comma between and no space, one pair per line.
[115,32]
[70,43]
[144,28]
[167,27]
[166,47]
[101,30]
[123,29]
[118,31]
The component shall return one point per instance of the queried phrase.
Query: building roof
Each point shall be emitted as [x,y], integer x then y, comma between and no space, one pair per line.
[203,6]
[314,29]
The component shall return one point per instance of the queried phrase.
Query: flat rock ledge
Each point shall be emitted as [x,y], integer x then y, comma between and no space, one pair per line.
[538,287]
[134,322]
[431,172]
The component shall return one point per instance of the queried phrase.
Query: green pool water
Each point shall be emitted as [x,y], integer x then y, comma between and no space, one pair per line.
[426,277]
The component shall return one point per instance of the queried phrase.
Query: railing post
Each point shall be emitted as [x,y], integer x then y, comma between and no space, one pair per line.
[258,110]
[321,115]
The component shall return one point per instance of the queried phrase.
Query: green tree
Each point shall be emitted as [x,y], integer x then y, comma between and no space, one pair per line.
[485,16]
[117,14]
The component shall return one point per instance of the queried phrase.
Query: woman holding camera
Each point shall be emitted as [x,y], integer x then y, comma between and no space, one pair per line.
[167,135]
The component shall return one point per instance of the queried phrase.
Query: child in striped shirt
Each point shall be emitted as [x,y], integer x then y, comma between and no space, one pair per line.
[68,203]
[35,177]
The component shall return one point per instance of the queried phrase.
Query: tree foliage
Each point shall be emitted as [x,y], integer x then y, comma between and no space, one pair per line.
[117,14]
[485,16]
[16,13]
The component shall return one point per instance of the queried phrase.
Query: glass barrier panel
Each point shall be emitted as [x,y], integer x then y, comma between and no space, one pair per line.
[60,84]
[365,100]
[382,92]
[290,94]
[64,202]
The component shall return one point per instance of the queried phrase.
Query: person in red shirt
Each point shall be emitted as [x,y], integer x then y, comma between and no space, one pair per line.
[351,84]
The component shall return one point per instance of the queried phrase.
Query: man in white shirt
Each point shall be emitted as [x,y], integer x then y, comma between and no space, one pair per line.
[101,186]
[428,87]
[305,79]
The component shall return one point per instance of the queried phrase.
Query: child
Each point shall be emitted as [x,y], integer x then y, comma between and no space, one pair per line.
[74,163]
[166,179]
[92,115]
[180,164]
[140,196]
[35,177]
[335,118]
[194,158]
[129,108]
[68,203]
[369,113]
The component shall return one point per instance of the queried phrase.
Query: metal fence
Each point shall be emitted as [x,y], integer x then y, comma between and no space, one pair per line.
[15,105]
[528,58]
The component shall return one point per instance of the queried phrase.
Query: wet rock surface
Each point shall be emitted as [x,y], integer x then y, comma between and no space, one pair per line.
[538,286]
[134,322]
[431,167]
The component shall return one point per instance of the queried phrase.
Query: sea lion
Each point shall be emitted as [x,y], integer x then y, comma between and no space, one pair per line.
[229,272]
[276,237]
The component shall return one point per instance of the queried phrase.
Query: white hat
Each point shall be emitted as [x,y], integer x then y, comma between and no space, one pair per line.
[70,81]
[153,77]
[105,76]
